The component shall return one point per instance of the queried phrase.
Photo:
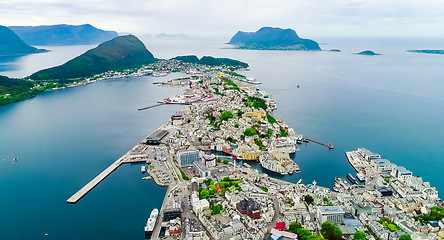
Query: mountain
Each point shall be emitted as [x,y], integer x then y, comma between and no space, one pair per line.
[268,38]
[212,61]
[123,52]
[11,44]
[368,53]
[427,51]
[62,34]
[8,85]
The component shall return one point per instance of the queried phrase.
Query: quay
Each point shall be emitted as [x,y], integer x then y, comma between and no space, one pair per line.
[152,106]
[323,144]
[88,187]
[158,225]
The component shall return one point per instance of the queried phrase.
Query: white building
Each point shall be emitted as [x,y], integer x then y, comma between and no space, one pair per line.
[333,214]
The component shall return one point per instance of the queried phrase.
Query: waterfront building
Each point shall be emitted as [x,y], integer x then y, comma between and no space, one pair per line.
[368,155]
[333,214]
[202,170]
[401,173]
[187,158]
[156,137]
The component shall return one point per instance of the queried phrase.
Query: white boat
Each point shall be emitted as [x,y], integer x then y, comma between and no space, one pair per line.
[143,169]
[361,177]
[249,80]
[300,180]
[149,228]
[247,165]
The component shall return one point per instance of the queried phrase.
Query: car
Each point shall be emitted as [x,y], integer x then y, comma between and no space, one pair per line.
[221,170]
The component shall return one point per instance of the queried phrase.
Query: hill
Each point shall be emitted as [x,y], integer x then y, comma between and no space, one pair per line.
[8,85]
[62,34]
[120,53]
[212,61]
[368,53]
[268,38]
[427,51]
[12,45]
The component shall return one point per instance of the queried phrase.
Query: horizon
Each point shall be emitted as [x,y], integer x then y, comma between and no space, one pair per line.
[346,18]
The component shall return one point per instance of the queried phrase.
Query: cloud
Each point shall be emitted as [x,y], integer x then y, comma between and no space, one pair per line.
[223,18]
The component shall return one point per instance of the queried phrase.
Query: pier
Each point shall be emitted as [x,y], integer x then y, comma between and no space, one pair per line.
[88,187]
[152,106]
[323,144]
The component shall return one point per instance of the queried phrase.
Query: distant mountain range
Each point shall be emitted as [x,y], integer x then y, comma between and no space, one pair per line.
[62,34]
[12,45]
[212,61]
[123,52]
[268,38]
[427,51]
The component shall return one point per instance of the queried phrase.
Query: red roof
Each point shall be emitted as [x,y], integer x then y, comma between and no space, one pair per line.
[280,226]
[219,190]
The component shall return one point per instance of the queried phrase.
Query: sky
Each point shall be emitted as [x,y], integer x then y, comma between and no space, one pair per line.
[218,18]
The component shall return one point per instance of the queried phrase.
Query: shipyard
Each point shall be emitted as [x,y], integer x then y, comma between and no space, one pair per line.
[202,155]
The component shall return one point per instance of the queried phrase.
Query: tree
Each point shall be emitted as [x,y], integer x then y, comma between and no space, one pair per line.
[204,194]
[359,236]
[224,116]
[250,131]
[405,237]
[309,199]
[337,233]
[294,226]
[327,229]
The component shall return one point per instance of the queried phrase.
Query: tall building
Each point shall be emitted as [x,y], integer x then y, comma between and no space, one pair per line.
[187,158]
[333,214]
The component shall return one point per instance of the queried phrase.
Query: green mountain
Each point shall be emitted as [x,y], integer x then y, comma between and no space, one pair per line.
[268,38]
[9,85]
[120,53]
[212,61]
[12,45]
[62,34]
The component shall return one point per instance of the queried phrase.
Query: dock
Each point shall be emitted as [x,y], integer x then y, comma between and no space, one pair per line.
[323,144]
[93,183]
[152,106]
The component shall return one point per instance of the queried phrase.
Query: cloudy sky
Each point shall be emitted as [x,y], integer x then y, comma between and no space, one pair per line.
[330,18]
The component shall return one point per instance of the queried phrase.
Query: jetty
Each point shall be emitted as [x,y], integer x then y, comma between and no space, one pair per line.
[323,144]
[88,187]
[152,106]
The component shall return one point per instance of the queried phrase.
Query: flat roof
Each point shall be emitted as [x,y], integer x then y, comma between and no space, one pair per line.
[157,135]
[331,210]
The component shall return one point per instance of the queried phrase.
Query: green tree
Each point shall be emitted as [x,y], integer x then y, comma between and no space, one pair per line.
[309,199]
[224,116]
[359,236]
[405,237]
[204,194]
[225,161]
[250,131]
[337,233]
[294,226]
[327,229]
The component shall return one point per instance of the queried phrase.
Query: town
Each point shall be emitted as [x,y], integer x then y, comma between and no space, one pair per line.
[202,152]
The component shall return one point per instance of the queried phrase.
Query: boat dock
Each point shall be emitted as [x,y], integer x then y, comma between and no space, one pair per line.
[323,144]
[159,221]
[152,106]
[88,187]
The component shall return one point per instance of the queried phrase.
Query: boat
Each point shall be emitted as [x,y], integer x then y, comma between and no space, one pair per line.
[305,140]
[291,173]
[146,178]
[352,179]
[143,169]
[149,228]
[300,180]
[335,189]
[361,177]
[247,165]
[249,80]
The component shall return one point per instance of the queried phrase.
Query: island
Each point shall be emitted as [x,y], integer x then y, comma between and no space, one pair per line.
[62,34]
[427,51]
[13,45]
[334,50]
[212,61]
[268,38]
[367,53]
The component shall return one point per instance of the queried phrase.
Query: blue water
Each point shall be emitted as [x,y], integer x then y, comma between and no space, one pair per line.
[391,104]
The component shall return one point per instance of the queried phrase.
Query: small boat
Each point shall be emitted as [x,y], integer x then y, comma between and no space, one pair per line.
[305,140]
[143,169]
[352,179]
[291,173]
[335,189]
[360,176]
[298,86]
[300,180]
[146,178]
[15,158]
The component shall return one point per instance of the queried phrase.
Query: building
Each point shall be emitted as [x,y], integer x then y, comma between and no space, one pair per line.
[187,158]
[198,205]
[250,207]
[155,137]
[333,214]
[401,173]
[368,155]
[202,170]
[210,160]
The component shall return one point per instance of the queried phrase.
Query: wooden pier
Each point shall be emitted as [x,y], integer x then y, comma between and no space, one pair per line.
[152,106]
[88,187]
[323,144]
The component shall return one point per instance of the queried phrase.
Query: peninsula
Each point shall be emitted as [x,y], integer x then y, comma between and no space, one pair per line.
[13,45]
[62,34]
[268,38]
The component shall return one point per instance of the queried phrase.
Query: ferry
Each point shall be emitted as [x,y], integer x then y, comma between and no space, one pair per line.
[149,228]
[146,178]
[352,179]
[143,169]
[249,80]
[361,177]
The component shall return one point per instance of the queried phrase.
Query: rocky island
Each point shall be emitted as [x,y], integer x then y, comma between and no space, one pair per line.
[268,38]
[368,53]
[427,51]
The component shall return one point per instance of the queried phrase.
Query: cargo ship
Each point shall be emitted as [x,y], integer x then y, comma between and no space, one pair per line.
[352,179]
[149,228]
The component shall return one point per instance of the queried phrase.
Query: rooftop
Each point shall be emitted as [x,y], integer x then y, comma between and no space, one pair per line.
[330,210]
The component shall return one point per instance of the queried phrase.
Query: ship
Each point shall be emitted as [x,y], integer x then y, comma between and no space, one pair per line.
[149,228]
[249,80]
[361,177]
[352,179]
[247,165]
[143,169]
